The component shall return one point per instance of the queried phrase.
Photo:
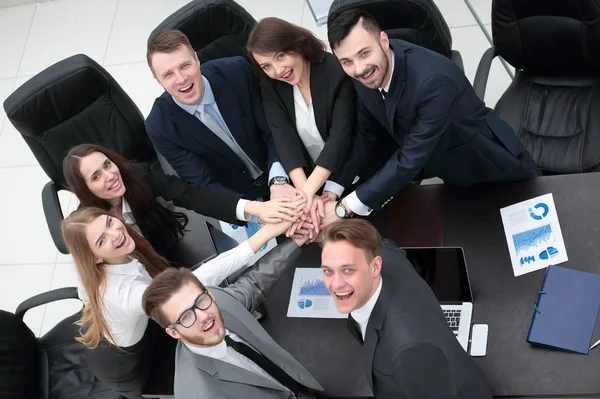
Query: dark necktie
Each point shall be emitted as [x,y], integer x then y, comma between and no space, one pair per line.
[264,363]
[384,93]
[354,328]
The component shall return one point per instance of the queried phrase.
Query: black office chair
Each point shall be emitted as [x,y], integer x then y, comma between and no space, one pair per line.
[416,21]
[215,28]
[553,104]
[50,367]
[72,102]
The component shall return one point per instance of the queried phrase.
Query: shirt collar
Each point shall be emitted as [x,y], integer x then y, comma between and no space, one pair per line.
[207,98]
[387,87]
[219,351]
[134,267]
[125,206]
[362,315]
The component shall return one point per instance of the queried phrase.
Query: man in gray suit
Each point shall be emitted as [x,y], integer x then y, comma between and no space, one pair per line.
[409,352]
[223,352]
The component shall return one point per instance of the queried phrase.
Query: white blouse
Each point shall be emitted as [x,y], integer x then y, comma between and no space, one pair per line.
[307,126]
[126,283]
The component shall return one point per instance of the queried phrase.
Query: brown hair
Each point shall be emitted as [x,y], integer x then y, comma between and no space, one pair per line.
[162,288]
[161,226]
[358,232]
[274,35]
[166,41]
[93,275]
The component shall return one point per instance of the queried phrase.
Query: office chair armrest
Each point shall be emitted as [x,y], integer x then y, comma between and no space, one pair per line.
[483,72]
[44,298]
[54,215]
[457,58]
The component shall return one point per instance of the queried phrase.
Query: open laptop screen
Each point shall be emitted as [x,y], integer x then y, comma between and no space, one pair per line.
[445,270]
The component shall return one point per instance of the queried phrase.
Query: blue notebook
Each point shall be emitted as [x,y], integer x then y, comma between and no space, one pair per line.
[567,310]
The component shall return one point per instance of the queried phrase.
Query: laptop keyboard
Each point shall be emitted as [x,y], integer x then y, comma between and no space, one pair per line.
[453,319]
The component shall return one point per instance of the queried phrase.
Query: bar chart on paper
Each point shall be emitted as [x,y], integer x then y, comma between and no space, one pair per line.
[310,297]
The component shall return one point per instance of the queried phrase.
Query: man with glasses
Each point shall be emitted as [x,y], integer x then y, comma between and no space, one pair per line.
[222,350]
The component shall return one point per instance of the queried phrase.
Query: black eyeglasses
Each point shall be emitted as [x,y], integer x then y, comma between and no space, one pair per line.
[188,318]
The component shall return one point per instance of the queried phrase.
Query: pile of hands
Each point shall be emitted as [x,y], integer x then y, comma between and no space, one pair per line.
[306,214]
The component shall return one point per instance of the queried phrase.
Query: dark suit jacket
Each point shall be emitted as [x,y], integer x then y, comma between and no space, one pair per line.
[440,125]
[197,154]
[409,352]
[334,104]
[202,200]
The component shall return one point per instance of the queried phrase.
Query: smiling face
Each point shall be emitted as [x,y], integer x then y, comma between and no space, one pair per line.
[108,239]
[101,176]
[179,74]
[364,56]
[287,67]
[349,275]
[208,329]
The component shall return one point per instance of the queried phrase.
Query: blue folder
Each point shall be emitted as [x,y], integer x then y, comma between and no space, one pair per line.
[568,308]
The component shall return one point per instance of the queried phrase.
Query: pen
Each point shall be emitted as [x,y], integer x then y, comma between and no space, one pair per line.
[595,345]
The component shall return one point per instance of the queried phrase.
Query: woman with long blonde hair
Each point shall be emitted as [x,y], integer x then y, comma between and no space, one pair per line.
[115,265]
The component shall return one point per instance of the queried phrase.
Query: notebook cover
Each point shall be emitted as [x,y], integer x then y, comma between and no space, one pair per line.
[568,309]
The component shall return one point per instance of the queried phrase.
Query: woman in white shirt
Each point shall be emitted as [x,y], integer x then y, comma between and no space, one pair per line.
[310,105]
[102,178]
[115,264]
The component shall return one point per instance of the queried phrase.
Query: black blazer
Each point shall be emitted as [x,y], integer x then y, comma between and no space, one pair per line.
[197,154]
[440,125]
[202,200]
[334,104]
[409,351]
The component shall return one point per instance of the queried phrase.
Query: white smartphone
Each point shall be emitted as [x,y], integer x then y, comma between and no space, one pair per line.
[479,337]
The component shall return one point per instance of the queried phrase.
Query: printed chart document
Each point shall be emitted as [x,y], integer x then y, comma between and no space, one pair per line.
[533,234]
[310,298]
[242,233]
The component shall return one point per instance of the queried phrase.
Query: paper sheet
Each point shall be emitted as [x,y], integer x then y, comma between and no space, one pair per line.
[533,234]
[310,297]
[242,233]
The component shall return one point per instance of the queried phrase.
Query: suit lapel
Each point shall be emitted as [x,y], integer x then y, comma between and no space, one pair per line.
[397,87]
[318,93]
[374,327]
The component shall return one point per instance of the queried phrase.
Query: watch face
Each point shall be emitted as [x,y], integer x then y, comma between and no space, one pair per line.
[340,211]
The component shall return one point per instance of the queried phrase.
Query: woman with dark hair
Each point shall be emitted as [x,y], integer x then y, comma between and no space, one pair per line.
[104,179]
[310,105]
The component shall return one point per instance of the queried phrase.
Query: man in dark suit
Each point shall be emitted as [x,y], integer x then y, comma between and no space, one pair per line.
[409,351]
[210,124]
[425,102]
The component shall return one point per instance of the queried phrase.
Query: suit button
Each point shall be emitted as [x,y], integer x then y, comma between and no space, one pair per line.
[243,171]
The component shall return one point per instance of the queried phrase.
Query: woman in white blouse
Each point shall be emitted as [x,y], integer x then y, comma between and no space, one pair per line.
[115,264]
[310,105]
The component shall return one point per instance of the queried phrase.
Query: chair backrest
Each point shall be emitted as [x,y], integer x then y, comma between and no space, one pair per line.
[215,28]
[552,38]
[72,102]
[416,21]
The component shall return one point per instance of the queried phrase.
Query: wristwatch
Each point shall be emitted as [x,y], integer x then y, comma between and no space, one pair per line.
[279,181]
[341,211]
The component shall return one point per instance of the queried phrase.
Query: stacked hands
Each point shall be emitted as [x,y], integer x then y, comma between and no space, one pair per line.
[305,213]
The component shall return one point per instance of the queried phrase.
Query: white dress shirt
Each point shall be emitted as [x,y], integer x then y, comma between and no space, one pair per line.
[352,200]
[126,283]
[308,131]
[226,354]
[362,315]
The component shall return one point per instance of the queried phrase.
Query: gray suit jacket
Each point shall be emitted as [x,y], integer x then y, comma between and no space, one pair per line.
[200,377]
[409,352]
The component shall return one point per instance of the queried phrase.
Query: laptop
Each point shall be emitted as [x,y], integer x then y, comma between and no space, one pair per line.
[445,270]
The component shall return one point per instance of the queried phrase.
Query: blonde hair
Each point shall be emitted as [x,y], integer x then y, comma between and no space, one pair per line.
[94,327]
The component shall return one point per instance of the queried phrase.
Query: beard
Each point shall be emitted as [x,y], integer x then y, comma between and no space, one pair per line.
[380,70]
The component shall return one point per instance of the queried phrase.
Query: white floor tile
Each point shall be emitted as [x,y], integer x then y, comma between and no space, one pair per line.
[134,20]
[14,24]
[483,8]
[290,10]
[472,43]
[308,22]
[137,81]
[6,86]
[455,12]
[64,276]
[21,282]
[25,238]
[64,28]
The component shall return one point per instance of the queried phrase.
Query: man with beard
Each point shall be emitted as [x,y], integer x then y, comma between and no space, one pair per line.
[425,102]
[222,351]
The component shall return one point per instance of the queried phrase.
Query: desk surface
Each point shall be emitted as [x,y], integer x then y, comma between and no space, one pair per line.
[470,218]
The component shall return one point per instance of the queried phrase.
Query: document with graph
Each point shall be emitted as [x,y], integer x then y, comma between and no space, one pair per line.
[533,234]
[309,296]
